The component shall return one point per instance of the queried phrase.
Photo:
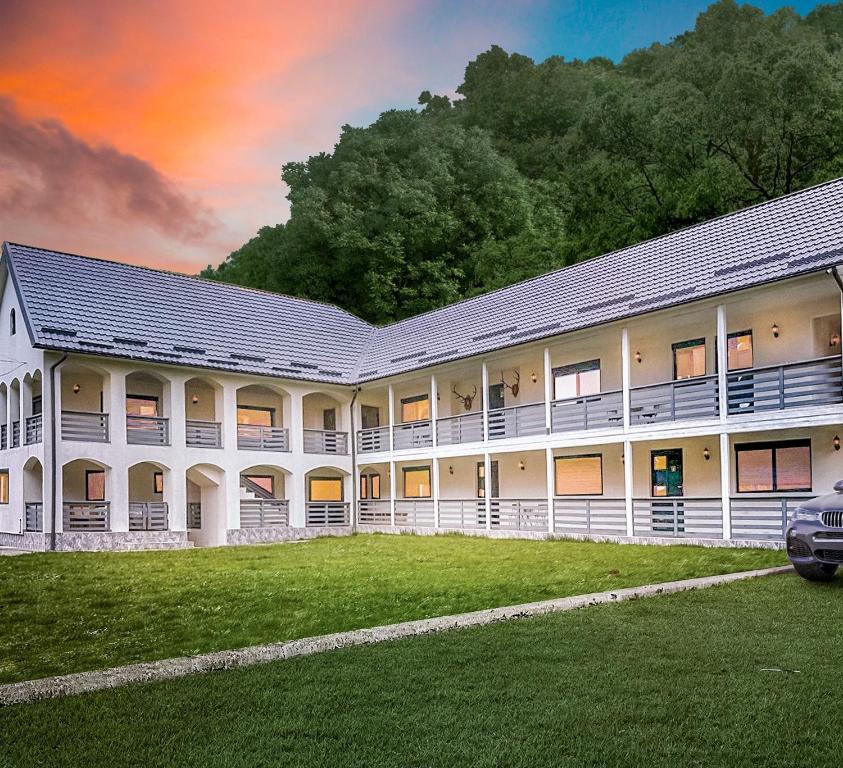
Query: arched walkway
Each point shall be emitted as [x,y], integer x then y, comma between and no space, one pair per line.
[327,490]
[86,498]
[206,512]
[33,495]
[203,412]
[263,496]
[149,483]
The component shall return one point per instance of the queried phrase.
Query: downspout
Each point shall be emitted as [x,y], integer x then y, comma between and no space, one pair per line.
[53,451]
[353,438]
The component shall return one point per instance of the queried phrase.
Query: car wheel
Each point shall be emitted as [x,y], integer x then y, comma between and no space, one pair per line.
[816,571]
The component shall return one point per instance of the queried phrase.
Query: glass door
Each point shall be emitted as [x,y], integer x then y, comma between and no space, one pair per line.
[667,481]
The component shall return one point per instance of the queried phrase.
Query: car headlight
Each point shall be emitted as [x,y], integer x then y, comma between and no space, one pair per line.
[800,513]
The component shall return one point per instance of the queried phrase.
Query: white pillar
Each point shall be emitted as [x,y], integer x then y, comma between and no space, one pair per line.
[626,376]
[116,405]
[391,487]
[487,476]
[628,486]
[176,412]
[118,476]
[391,412]
[722,361]
[551,489]
[548,392]
[175,494]
[434,408]
[117,492]
[485,401]
[726,484]
[435,480]
[294,421]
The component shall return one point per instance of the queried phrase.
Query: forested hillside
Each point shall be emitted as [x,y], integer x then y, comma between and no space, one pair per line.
[541,165]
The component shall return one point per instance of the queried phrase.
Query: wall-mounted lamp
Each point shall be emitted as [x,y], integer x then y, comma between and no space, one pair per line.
[521,465]
[533,377]
[76,389]
[450,469]
[194,399]
[836,442]
[706,454]
[775,330]
[637,356]
[834,341]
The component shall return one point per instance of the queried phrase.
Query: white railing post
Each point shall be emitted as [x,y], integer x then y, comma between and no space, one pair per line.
[726,484]
[435,490]
[626,377]
[548,392]
[722,362]
[434,409]
[390,407]
[551,489]
[487,488]
[391,484]
[628,486]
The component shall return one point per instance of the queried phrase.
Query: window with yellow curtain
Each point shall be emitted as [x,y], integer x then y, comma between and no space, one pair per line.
[4,487]
[325,489]
[415,408]
[579,475]
[417,482]
[689,359]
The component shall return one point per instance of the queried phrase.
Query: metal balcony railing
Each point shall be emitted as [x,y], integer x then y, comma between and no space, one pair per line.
[576,414]
[83,426]
[327,514]
[261,513]
[202,434]
[695,398]
[147,430]
[465,428]
[373,512]
[373,440]
[414,434]
[87,515]
[517,421]
[589,514]
[148,516]
[414,512]
[678,517]
[325,441]
[33,431]
[253,437]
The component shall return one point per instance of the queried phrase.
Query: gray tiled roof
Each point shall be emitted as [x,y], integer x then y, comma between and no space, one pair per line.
[88,305]
[795,234]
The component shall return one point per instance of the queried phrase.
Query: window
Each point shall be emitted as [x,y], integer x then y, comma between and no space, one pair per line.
[481,480]
[266,482]
[576,380]
[496,396]
[36,405]
[94,485]
[773,467]
[325,489]
[579,475]
[255,415]
[415,408]
[329,419]
[416,482]
[370,486]
[739,350]
[158,482]
[370,416]
[4,486]
[141,405]
[689,359]
[13,325]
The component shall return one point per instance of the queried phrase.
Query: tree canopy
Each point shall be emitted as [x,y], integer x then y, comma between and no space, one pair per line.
[542,165]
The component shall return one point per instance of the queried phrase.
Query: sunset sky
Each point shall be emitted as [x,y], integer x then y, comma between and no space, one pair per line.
[154,131]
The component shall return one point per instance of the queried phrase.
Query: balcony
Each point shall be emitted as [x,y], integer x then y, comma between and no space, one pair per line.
[87,515]
[681,517]
[602,411]
[202,434]
[695,398]
[253,437]
[4,437]
[15,434]
[373,440]
[590,514]
[34,517]
[86,427]
[518,514]
[781,387]
[147,430]
[414,434]
[373,512]
[465,428]
[327,514]
[517,421]
[148,516]
[325,441]
[33,429]
[415,512]
[264,513]
[462,513]
[194,515]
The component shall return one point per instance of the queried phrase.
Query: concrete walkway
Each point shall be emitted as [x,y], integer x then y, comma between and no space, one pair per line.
[84,682]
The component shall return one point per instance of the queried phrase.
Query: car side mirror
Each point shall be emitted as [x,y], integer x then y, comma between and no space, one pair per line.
[838,486]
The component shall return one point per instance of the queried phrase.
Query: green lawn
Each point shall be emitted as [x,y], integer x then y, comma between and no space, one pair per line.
[668,681]
[72,612]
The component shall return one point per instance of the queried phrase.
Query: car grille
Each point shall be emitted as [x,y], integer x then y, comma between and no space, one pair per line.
[832,555]
[798,548]
[833,518]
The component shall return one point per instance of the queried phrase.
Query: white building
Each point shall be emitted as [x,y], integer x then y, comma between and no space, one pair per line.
[688,387]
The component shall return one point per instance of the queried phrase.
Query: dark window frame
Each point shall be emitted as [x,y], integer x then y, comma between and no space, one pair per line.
[734,335]
[5,471]
[414,399]
[263,408]
[88,473]
[325,477]
[495,472]
[577,368]
[701,342]
[146,398]
[271,478]
[772,445]
[370,409]
[423,467]
[13,323]
[578,456]
[367,484]
[155,477]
